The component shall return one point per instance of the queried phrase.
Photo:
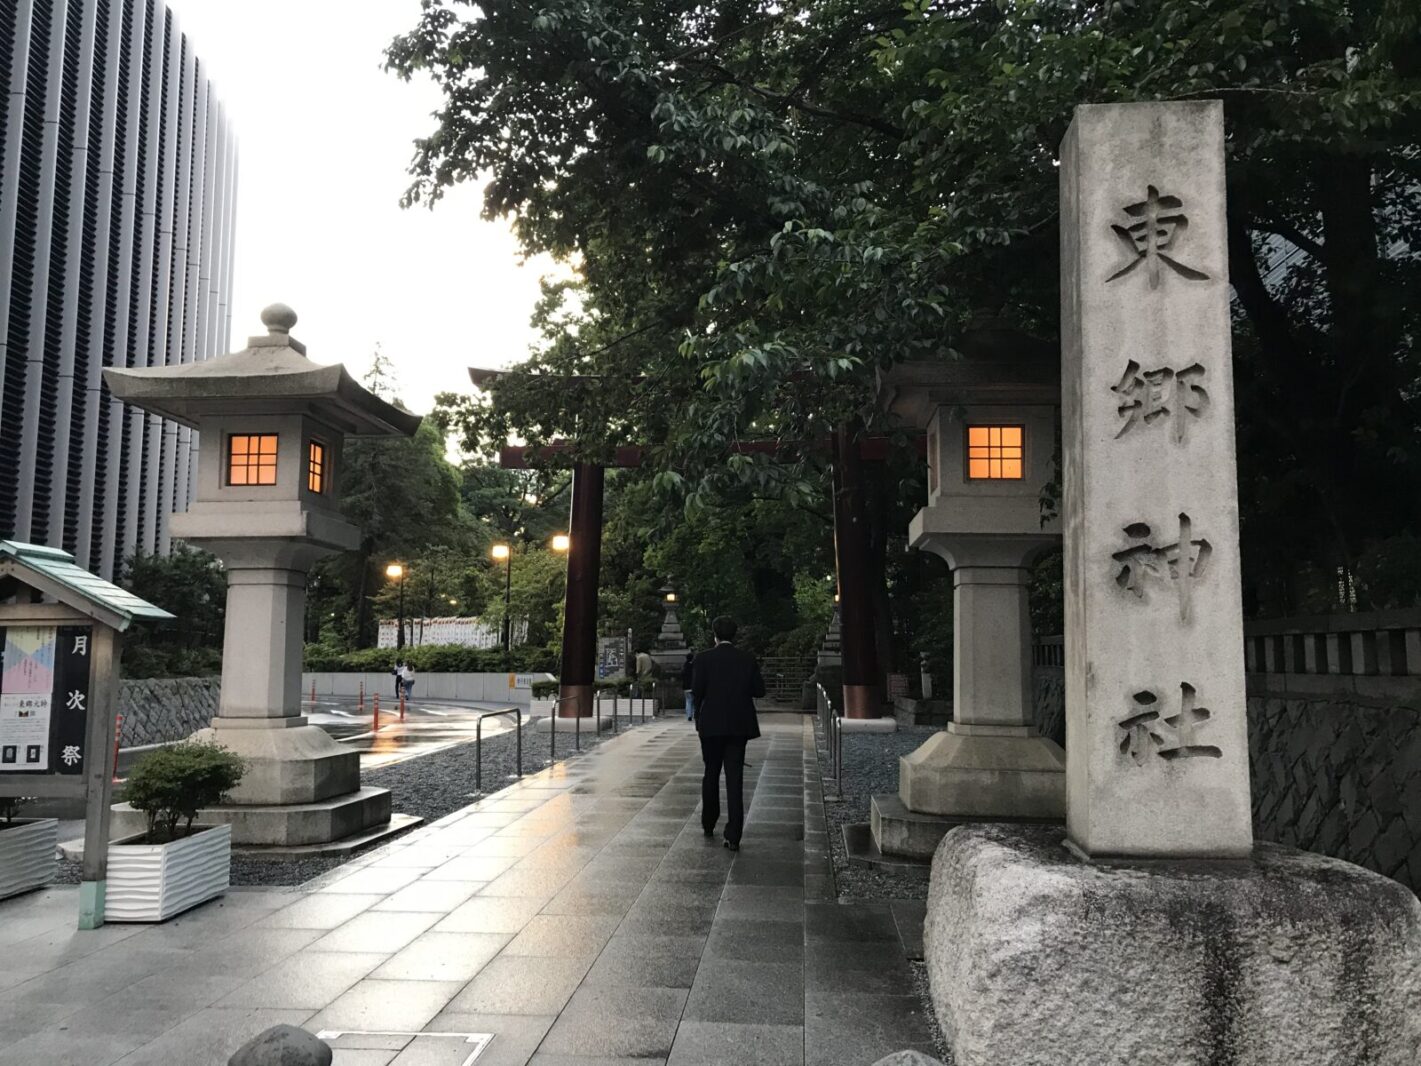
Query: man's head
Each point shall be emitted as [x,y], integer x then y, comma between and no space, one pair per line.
[724,629]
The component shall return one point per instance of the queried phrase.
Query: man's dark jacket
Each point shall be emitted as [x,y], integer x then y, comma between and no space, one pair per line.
[725,682]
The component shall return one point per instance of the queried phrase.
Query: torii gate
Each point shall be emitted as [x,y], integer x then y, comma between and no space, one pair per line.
[862,699]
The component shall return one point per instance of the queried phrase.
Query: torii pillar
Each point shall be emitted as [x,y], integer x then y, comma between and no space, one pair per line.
[584,566]
[863,696]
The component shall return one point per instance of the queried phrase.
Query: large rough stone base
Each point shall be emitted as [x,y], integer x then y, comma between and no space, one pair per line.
[1038,958]
[969,775]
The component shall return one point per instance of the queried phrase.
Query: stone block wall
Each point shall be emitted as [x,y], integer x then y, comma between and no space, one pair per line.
[1338,773]
[1335,764]
[159,710]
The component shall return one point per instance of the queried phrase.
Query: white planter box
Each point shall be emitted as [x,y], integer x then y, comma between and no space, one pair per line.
[153,882]
[28,854]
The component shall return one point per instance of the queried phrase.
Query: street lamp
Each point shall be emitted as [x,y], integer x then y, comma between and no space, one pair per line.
[504,554]
[561,542]
[396,572]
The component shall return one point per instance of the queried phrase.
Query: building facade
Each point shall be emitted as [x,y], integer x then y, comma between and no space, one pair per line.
[117,187]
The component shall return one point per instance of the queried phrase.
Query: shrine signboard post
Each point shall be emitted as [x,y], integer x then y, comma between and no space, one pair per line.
[61,629]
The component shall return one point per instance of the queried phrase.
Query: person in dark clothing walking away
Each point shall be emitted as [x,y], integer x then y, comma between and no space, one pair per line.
[725,682]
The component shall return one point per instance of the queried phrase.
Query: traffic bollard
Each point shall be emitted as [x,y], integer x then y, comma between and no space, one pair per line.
[361,706]
[376,704]
[313,690]
[402,706]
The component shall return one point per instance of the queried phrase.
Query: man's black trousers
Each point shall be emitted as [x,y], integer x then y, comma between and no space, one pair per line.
[728,752]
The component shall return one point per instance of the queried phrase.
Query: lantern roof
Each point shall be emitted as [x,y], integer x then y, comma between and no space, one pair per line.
[997,365]
[55,574]
[271,375]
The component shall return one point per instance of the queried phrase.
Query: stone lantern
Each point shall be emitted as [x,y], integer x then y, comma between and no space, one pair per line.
[991,420]
[669,652]
[272,425]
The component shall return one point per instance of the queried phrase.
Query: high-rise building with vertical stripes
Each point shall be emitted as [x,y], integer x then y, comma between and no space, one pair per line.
[118,178]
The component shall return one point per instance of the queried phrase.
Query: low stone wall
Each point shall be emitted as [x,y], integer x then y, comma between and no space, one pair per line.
[512,689]
[159,710]
[1335,762]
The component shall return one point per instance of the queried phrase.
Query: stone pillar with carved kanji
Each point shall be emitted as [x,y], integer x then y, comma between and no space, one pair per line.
[1153,928]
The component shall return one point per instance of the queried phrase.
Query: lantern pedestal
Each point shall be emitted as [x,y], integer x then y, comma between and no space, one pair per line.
[990,762]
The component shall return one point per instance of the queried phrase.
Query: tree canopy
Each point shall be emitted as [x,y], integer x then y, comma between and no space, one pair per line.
[765,203]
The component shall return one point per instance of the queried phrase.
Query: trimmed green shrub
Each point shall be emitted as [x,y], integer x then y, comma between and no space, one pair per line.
[172,784]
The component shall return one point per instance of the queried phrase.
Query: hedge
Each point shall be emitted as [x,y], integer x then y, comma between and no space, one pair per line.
[430,658]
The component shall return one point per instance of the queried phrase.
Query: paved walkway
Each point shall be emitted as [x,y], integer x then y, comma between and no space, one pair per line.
[580,917]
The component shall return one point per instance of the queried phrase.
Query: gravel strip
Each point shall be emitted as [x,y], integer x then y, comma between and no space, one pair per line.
[428,786]
[870,768]
[920,982]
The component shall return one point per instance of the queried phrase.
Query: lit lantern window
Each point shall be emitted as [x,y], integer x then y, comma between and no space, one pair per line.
[994,452]
[316,467]
[251,459]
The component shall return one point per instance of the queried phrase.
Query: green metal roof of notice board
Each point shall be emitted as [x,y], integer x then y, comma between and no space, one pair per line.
[56,574]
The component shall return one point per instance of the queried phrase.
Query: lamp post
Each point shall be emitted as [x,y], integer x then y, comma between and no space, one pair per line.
[396,572]
[504,553]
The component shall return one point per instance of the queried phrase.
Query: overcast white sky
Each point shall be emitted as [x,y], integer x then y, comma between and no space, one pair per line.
[324,139]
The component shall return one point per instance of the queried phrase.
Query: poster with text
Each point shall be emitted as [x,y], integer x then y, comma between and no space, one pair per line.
[44,699]
[26,698]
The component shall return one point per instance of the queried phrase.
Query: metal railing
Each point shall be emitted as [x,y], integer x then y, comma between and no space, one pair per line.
[553,728]
[479,743]
[832,722]
[636,705]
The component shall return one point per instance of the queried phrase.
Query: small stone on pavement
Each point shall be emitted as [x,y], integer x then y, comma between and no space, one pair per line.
[907,1058]
[283,1045]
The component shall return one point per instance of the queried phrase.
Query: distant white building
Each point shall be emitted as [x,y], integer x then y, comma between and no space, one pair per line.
[463,632]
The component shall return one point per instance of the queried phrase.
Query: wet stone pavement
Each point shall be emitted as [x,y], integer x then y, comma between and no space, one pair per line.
[580,917]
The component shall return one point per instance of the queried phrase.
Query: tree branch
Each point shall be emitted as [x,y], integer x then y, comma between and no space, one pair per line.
[1293,235]
[878,125]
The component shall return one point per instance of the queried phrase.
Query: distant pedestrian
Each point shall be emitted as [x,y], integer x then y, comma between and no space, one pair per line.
[398,673]
[407,677]
[725,682]
[686,677]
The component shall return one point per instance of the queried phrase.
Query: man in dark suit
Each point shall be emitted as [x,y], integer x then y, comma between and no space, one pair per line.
[724,684]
